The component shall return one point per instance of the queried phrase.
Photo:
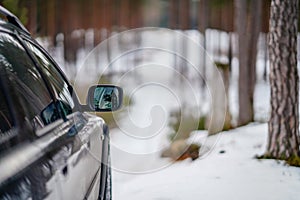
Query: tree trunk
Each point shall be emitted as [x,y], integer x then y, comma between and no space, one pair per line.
[253,32]
[203,24]
[32,16]
[184,22]
[173,15]
[283,125]
[173,24]
[248,29]
[245,108]
[265,46]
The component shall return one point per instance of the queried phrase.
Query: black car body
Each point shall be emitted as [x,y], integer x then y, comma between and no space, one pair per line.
[50,147]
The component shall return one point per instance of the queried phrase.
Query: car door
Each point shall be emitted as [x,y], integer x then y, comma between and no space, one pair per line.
[26,167]
[80,171]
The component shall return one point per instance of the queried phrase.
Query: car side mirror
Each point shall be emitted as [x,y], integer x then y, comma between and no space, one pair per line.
[105,98]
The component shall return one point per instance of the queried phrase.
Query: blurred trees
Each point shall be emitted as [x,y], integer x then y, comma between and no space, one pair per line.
[17,8]
[284,121]
[58,16]
[72,19]
[51,17]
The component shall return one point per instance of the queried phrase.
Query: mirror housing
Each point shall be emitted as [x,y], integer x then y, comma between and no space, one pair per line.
[105,98]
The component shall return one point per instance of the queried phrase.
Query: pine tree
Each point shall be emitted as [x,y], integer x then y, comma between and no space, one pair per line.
[284,121]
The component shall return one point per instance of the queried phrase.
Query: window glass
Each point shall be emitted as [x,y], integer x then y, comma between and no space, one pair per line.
[59,85]
[25,82]
[8,130]
[6,122]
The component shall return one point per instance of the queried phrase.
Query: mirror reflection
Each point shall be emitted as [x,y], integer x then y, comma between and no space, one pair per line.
[106,98]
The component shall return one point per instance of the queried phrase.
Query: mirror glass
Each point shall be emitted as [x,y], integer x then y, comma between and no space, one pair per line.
[107,98]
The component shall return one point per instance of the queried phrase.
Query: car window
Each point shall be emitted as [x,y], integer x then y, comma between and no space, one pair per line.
[8,130]
[27,87]
[6,120]
[56,80]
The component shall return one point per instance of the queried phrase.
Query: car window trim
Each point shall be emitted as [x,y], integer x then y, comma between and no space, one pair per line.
[44,77]
[55,65]
[14,113]
[77,104]
[39,47]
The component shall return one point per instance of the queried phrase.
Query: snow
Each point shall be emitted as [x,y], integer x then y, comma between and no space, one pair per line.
[233,175]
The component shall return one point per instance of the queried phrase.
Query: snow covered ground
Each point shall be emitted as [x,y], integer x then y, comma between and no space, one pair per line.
[232,175]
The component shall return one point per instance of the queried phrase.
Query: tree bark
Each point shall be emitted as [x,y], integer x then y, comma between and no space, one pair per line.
[284,121]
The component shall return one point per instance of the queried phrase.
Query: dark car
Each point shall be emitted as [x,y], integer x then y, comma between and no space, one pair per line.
[51,147]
